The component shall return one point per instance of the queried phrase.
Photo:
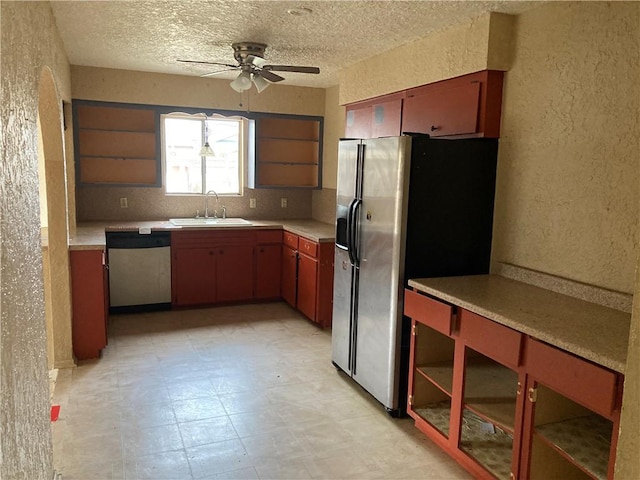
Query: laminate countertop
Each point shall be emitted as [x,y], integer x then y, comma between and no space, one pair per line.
[91,236]
[596,333]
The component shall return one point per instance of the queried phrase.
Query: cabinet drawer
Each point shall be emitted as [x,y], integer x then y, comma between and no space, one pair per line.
[268,236]
[290,240]
[496,341]
[432,313]
[308,247]
[584,382]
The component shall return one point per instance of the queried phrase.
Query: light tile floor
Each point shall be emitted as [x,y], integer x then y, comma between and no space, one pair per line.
[241,392]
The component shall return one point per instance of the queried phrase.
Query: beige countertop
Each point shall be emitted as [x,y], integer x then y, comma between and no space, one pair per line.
[91,235]
[591,331]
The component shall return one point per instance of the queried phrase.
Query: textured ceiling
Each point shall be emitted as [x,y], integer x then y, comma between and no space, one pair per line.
[151,35]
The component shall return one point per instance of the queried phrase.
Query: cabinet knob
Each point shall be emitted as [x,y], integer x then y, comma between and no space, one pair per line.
[434,128]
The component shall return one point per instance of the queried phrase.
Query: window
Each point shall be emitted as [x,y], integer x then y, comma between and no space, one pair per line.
[185,170]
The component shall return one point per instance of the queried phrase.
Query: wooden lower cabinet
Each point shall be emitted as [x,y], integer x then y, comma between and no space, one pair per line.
[268,271]
[289,285]
[505,405]
[234,273]
[209,267]
[89,302]
[307,277]
[193,272]
[307,285]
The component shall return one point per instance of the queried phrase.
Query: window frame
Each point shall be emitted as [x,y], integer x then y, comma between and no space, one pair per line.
[201,116]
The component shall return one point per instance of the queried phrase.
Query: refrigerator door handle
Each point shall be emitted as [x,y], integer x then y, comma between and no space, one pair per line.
[350,227]
[354,241]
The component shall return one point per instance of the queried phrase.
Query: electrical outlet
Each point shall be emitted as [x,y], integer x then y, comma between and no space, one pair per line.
[283,202]
[252,203]
[124,202]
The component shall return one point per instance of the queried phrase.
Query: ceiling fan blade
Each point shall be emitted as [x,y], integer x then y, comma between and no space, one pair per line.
[291,68]
[267,75]
[208,63]
[211,74]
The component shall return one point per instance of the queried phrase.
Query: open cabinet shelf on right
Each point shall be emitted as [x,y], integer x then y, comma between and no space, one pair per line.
[572,416]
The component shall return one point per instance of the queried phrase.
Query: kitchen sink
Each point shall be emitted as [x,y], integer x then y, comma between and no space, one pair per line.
[209,222]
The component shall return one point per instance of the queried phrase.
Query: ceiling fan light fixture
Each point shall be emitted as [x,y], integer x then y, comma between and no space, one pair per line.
[261,83]
[242,82]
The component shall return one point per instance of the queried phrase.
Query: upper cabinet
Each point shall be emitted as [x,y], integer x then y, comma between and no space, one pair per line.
[380,117]
[467,106]
[116,144]
[288,152]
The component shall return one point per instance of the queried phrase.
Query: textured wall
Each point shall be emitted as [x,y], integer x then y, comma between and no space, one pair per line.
[29,41]
[567,197]
[449,53]
[101,203]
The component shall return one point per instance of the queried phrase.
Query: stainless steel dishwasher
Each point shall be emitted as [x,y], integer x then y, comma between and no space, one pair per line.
[139,271]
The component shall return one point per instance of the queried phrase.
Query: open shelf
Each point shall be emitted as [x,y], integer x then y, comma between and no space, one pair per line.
[116,145]
[585,441]
[440,374]
[431,404]
[488,444]
[491,390]
[288,152]
[437,414]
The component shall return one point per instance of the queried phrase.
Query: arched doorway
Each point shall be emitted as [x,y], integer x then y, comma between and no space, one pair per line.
[54,224]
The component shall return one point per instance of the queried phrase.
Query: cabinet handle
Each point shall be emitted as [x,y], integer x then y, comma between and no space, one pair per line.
[519,391]
[532,395]
[434,128]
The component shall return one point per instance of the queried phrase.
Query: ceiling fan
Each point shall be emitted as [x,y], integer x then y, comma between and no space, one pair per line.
[253,67]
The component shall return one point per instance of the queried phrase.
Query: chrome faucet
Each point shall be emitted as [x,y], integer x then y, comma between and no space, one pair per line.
[206,204]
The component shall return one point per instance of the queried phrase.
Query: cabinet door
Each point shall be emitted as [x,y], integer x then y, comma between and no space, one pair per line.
[289,275]
[307,285]
[358,122]
[268,266]
[194,276]
[89,313]
[386,119]
[443,111]
[234,273]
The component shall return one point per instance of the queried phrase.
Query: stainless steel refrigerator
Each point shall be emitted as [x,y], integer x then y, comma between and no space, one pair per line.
[407,207]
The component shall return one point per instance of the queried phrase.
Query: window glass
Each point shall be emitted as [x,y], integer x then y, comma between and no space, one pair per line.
[188,172]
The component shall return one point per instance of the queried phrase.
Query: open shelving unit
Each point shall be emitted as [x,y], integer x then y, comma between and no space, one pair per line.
[288,152]
[116,145]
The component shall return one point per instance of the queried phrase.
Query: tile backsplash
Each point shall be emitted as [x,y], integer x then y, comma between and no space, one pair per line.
[103,203]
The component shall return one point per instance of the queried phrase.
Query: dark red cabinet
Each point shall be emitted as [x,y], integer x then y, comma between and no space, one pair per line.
[468,105]
[193,272]
[89,302]
[268,257]
[307,285]
[211,266]
[506,405]
[307,277]
[234,273]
